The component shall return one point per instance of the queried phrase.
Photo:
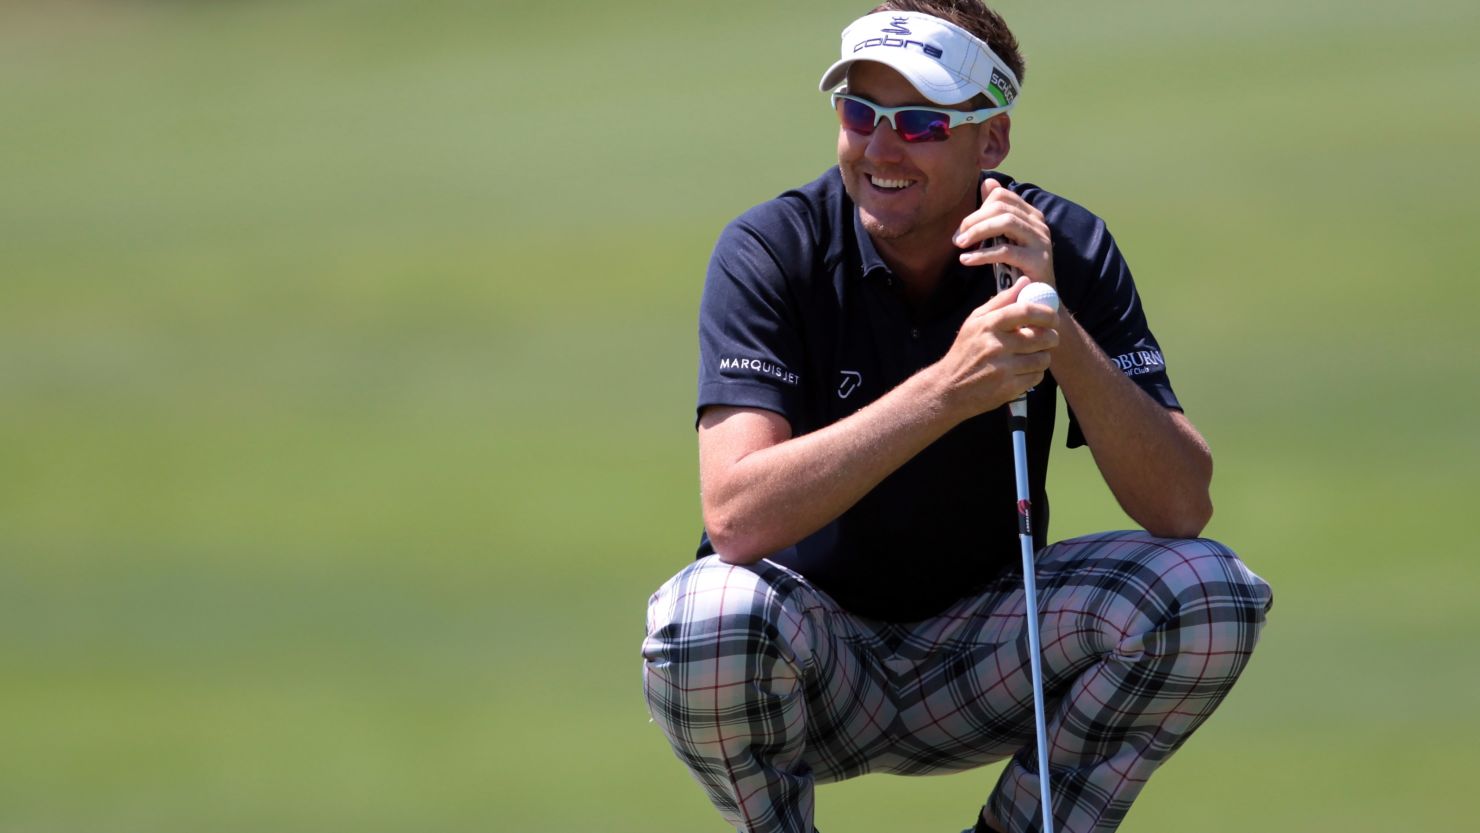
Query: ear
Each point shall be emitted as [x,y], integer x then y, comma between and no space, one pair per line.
[996,141]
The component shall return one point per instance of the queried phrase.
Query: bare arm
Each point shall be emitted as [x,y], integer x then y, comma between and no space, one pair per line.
[763,489]
[1155,462]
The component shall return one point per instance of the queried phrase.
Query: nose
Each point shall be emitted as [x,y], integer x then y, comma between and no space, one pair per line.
[884,144]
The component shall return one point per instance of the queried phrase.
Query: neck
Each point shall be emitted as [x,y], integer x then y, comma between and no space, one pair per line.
[919,267]
[921,256]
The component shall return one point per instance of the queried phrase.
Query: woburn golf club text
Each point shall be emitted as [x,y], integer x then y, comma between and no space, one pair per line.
[1140,362]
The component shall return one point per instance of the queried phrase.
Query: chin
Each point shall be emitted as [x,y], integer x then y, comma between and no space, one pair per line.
[881,229]
[891,226]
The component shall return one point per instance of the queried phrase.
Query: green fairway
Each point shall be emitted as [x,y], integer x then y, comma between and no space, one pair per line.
[347,370]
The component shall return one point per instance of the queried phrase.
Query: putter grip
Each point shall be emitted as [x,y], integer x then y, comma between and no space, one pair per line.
[1005,274]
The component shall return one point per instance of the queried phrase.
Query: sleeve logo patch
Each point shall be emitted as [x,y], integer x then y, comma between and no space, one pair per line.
[758,367]
[1140,362]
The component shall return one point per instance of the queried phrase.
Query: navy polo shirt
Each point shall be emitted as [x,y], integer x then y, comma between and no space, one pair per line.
[802,317]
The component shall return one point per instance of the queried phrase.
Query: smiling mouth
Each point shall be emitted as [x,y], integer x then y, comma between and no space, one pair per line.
[889,185]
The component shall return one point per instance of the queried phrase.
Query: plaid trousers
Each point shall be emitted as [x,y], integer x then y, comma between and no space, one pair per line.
[765,687]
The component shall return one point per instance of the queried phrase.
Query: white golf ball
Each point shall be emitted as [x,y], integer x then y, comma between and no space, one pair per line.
[1040,293]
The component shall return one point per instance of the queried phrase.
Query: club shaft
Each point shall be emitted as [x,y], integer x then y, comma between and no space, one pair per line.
[1019,419]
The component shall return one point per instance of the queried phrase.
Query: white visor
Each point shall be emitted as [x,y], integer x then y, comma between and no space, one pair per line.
[946,63]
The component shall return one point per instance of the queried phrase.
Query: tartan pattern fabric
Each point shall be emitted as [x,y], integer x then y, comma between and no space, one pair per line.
[765,687]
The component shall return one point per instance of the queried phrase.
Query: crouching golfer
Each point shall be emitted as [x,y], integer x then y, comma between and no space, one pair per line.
[858,605]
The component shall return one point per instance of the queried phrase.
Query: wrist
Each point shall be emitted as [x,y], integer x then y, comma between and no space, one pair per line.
[1074,345]
[936,388]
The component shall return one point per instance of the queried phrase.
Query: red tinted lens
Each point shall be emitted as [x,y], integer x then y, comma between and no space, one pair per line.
[923,125]
[857,116]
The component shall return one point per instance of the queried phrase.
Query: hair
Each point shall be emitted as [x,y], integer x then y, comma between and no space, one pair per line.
[974,17]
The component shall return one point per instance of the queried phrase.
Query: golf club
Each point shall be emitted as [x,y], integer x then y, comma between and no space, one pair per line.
[1033,293]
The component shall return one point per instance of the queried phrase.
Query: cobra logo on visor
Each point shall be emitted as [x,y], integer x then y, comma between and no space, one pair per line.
[900,43]
[896,26]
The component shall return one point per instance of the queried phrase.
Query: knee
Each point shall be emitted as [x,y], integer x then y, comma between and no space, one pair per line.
[713,613]
[1206,572]
[1218,603]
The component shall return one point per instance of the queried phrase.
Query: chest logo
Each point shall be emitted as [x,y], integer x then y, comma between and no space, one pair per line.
[850,381]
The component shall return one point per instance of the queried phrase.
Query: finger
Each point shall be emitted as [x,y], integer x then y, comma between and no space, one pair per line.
[981,316]
[1004,299]
[1005,195]
[1029,341]
[1031,364]
[1036,363]
[981,226]
[1040,339]
[1021,383]
[1017,220]
[1006,200]
[1035,261]
[1023,317]
[1000,250]
[995,198]
[998,219]
[1051,310]
[990,186]
[986,241]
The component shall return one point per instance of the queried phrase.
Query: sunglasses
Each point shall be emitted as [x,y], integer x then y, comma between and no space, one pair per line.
[913,123]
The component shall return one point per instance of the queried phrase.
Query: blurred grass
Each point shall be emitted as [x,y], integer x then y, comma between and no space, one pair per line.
[346,365]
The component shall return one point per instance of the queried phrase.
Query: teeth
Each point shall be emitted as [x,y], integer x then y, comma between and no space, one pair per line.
[890,183]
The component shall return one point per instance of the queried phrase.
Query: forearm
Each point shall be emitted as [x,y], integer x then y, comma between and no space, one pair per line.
[773,497]
[763,489]
[1155,462]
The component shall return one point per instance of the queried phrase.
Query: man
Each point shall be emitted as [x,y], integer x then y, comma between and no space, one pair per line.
[856,605]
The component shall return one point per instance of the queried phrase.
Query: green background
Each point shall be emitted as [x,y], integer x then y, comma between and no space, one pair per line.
[346,378]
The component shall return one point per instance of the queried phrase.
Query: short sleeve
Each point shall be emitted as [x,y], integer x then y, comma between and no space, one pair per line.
[750,345]
[1106,304]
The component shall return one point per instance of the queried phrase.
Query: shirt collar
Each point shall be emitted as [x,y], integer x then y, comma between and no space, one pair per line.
[870,261]
[868,256]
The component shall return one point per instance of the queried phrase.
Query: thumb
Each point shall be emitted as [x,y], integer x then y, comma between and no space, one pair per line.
[1009,295]
[988,186]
